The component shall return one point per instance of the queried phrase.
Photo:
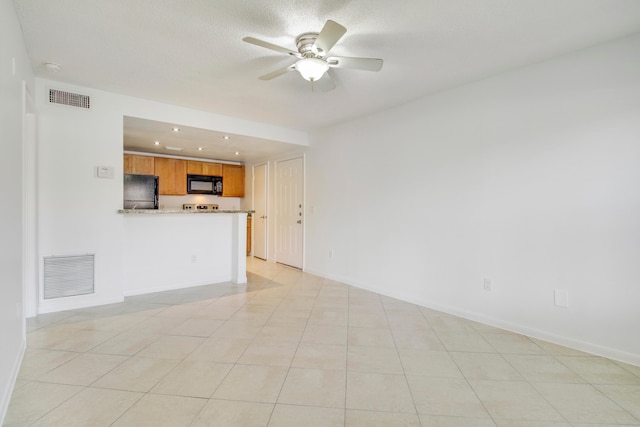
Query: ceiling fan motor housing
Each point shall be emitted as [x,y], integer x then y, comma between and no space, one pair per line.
[305,44]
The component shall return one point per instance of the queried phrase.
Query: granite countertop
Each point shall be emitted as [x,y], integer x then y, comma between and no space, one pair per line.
[180,211]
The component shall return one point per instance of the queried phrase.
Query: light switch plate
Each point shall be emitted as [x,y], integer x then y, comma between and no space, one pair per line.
[104,172]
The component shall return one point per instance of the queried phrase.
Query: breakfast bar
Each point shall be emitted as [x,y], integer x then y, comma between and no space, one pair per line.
[174,249]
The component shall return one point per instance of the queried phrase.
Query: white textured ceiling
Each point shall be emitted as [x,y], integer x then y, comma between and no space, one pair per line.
[191,53]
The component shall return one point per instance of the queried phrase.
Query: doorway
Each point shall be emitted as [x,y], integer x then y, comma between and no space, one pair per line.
[289,208]
[259,219]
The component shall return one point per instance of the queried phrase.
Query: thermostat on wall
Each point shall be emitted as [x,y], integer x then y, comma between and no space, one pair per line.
[104,172]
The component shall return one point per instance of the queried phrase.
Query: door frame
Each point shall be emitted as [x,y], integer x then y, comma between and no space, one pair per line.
[304,205]
[267,207]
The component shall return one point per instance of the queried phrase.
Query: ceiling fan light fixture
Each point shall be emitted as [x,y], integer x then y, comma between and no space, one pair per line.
[311,69]
[313,60]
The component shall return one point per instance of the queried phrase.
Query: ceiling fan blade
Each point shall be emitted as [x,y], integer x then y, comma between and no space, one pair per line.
[328,37]
[366,64]
[277,73]
[325,84]
[271,46]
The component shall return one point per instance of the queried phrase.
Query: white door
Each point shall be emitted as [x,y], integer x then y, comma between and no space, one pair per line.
[289,220]
[259,219]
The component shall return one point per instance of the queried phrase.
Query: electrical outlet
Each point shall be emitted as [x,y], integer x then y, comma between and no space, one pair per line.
[561,298]
[487,285]
[194,259]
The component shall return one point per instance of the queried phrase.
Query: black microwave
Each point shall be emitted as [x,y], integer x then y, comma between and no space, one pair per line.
[203,184]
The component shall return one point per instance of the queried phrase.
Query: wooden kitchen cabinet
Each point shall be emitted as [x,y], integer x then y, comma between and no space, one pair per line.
[195,167]
[212,169]
[172,176]
[142,165]
[232,180]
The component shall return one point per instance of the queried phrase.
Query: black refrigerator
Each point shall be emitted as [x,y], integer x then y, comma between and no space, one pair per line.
[140,191]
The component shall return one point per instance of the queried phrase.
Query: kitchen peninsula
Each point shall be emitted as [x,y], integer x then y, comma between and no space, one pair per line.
[174,249]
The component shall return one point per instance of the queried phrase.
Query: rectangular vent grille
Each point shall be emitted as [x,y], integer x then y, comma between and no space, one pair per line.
[68,98]
[66,276]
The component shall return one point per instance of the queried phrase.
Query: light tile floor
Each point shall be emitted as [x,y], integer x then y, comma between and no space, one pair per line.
[293,349]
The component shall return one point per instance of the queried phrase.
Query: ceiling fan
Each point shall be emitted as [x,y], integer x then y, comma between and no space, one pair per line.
[313,63]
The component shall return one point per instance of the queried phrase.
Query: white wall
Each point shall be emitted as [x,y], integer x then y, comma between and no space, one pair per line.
[530,178]
[170,251]
[12,326]
[77,210]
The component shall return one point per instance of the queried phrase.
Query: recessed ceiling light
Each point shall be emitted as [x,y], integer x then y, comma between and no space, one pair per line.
[156,143]
[176,129]
[237,153]
[226,137]
[200,148]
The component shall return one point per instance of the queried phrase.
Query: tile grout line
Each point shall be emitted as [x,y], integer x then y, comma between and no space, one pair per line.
[346,357]
[404,372]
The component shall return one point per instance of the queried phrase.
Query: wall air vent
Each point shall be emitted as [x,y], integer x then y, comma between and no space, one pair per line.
[66,276]
[68,98]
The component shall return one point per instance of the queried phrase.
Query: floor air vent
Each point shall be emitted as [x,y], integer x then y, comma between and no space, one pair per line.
[68,98]
[66,276]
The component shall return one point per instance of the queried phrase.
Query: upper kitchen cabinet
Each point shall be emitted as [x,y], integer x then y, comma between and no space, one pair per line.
[194,168]
[212,169]
[232,180]
[172,176]
[204,168]
[141,165]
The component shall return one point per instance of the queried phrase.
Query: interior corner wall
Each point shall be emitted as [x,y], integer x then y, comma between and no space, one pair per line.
[14,72]
[529,179]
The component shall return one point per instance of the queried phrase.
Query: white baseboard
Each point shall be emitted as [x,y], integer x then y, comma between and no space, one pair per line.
[151,290]
[8,389]
[62,304]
